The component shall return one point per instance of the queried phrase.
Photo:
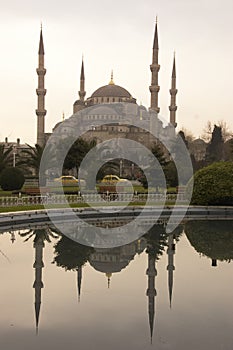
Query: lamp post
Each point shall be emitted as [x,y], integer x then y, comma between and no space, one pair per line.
[14,154]
[121,167]
[132,171]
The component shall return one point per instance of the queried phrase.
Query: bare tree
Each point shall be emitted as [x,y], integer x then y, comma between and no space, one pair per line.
[227,133]
[208,129]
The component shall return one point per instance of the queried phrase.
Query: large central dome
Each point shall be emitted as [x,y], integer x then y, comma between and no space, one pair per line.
[110,93]
[111,90]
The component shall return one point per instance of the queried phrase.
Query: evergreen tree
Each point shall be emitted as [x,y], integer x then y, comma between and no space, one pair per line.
[214,151]
[76,153]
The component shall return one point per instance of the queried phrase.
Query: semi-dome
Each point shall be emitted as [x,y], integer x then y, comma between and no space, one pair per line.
[111,90]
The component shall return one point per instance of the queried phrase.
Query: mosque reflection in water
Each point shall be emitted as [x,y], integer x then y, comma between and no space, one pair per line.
[213,239]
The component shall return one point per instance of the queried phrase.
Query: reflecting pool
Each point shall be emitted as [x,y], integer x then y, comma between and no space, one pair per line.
[162,291]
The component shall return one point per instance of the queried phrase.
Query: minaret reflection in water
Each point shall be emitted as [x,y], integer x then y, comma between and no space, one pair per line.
[73,256]
[40,236]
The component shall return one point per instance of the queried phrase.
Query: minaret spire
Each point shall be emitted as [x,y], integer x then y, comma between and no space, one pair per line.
[41,92]
[38,284]
[154,67]
[173,92]
[151,291]
[79,279]
[170,266]
[80,104]
[82,92]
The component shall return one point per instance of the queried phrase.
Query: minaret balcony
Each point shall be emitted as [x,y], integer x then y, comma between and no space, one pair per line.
[155,67]
[41,113]
[82,94]
[172,108]
[151,292]
[41,71]
[151,272]
[173,91]
[41,92]
[38,284]
[154,88]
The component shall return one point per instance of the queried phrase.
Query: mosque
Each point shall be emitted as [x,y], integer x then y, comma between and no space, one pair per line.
[110,262]
[109,95]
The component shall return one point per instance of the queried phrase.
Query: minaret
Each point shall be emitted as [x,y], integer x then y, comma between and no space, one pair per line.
[82,92]
[79,280]
[173,92]
[154,67]
[80,104]
[170,266]
[151,291]
[41,92]
[38,284]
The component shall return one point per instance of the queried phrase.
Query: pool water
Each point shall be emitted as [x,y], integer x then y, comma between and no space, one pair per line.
[161,291]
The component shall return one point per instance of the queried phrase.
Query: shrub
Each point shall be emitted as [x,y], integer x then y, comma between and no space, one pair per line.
[11,179]
[213,185]
[211,238]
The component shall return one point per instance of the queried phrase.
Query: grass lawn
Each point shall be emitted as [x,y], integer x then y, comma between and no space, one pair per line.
[77,205]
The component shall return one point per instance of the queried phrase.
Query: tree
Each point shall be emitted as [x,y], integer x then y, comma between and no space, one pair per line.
[226,132]
[155,171]
[76,153]
[171,174]
[188,135]
[213,185]
[231,148]
[181,156]
[214,151]
[214,239]
[207,132]
[110,167]
[71,255]
[45,234]
[5,157]
[31,158]
[11,179]
[208,129]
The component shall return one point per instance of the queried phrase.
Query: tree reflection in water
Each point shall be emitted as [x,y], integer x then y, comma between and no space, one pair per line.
[213,239]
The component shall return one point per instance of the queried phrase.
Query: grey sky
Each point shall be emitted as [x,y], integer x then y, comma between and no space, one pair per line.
[115,35]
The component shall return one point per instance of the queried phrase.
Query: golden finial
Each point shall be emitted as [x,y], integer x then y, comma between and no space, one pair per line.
[156,21]
[63,116]
[41,26]
[111,81]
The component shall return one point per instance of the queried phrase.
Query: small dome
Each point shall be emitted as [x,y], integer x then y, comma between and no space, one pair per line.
[199,141]
[111,90]
[59,123]
[78,103]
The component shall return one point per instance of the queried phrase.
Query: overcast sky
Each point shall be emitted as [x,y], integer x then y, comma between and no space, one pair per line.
[115,35]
